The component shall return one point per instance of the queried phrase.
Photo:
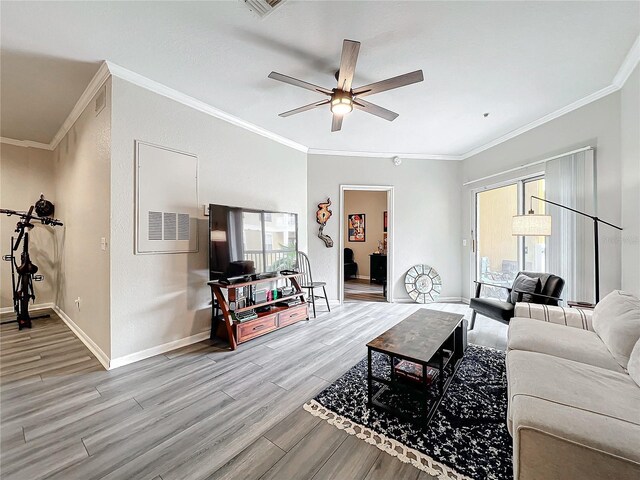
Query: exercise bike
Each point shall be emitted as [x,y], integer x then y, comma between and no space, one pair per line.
[23,275]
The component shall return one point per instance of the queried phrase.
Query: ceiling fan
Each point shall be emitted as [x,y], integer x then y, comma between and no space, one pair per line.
[343,99]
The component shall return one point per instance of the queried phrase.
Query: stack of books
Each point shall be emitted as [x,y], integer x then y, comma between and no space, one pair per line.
[413,372]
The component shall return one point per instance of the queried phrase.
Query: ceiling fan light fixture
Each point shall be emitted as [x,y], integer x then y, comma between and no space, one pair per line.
[341,105]
[343,99]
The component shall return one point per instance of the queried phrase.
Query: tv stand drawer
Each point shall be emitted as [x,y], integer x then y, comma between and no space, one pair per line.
[292,315]
[255,328]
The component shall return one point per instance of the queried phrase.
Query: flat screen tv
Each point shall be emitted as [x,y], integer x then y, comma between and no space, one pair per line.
[244,241]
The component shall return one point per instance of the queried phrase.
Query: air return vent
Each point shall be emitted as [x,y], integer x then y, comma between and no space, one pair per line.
[169,226]
[262,8]
[166,200]
[155,225]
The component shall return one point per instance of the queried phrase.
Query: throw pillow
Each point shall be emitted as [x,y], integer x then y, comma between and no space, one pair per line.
[525,283]
[616,320]
[634,363]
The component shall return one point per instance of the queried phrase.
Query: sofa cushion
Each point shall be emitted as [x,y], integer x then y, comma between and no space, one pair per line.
[524,283]
[492,308]
[566,382]
[558,442]
[572,317]
[616,320]
[561,341]
[591,413]
[634,363]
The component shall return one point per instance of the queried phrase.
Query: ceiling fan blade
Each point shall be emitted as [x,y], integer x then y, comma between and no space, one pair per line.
[336,123]
[389,84]
[348,61]
[299,83]
[304,109]
[375,110]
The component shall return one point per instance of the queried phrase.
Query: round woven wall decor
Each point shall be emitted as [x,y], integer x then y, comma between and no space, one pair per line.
[423,283]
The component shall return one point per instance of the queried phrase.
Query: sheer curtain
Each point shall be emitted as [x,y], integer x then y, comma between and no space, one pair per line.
[571,181]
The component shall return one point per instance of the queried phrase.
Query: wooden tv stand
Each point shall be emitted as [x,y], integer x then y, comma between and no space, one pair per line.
[274,319]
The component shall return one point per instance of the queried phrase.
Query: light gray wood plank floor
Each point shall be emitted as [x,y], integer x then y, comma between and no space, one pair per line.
[361,290]
[200,412]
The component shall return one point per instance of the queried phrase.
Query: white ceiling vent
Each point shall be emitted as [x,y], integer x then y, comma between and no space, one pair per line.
[262,8]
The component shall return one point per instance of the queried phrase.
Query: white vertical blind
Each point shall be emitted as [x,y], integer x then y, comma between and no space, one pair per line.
[571,181]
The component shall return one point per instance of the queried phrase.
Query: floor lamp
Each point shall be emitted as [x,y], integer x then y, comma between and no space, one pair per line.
[535,225]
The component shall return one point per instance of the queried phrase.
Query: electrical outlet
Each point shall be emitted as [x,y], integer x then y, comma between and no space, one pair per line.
[77,302]
[103,243]
[464,242]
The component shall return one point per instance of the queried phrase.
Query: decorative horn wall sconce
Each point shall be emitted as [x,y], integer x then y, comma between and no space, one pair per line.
[322,217]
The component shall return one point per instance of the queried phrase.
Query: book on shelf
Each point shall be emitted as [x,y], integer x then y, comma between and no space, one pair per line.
[413,371]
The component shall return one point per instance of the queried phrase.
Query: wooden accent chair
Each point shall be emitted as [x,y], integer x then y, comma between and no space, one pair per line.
[547,293]
[304,267]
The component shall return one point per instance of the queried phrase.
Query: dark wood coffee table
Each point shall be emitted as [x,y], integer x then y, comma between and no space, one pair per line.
[429,338]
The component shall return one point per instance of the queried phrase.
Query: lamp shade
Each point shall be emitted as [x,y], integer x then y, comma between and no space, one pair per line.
[531,225]
[218,236]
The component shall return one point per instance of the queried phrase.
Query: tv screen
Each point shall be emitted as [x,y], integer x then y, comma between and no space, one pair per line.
[244,241]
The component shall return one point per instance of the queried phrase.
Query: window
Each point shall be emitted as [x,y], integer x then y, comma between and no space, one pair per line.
[497,253]
[500,255]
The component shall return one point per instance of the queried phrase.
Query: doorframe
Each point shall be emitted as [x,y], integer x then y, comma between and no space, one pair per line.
[390,235]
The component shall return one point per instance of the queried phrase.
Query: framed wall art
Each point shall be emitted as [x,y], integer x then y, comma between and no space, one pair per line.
[356,227]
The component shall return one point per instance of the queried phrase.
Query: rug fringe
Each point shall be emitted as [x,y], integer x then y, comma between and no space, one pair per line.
[386,444]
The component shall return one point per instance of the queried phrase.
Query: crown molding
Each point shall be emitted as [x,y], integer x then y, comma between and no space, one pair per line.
[508,136]
[108,68]
[542,120]
[629,63]
[404,156]
[96,82]
[631,60]
[160,89]
[25,143]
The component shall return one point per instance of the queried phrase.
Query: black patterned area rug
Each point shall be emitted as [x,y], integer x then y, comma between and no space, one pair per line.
[467,437]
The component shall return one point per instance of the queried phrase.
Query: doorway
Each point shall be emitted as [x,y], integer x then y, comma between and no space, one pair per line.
[366,229]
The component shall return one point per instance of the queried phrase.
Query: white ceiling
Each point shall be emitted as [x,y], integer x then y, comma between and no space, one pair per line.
[517,60]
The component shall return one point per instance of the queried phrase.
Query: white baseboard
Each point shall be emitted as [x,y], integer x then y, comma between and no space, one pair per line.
[102,357]
[153,351]
[440,300]
[32,308]
[465,300]
[363,277]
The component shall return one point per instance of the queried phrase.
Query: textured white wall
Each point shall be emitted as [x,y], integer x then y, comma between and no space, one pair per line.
[157,299]
[24,174]
[596,124]
[373,205]
[427,215]
[82,170]
[630,150]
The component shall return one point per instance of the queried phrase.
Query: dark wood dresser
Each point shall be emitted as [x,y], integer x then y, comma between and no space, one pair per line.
[378,268]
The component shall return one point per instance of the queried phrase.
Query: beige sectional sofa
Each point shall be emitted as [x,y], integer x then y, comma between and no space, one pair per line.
[574,390]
